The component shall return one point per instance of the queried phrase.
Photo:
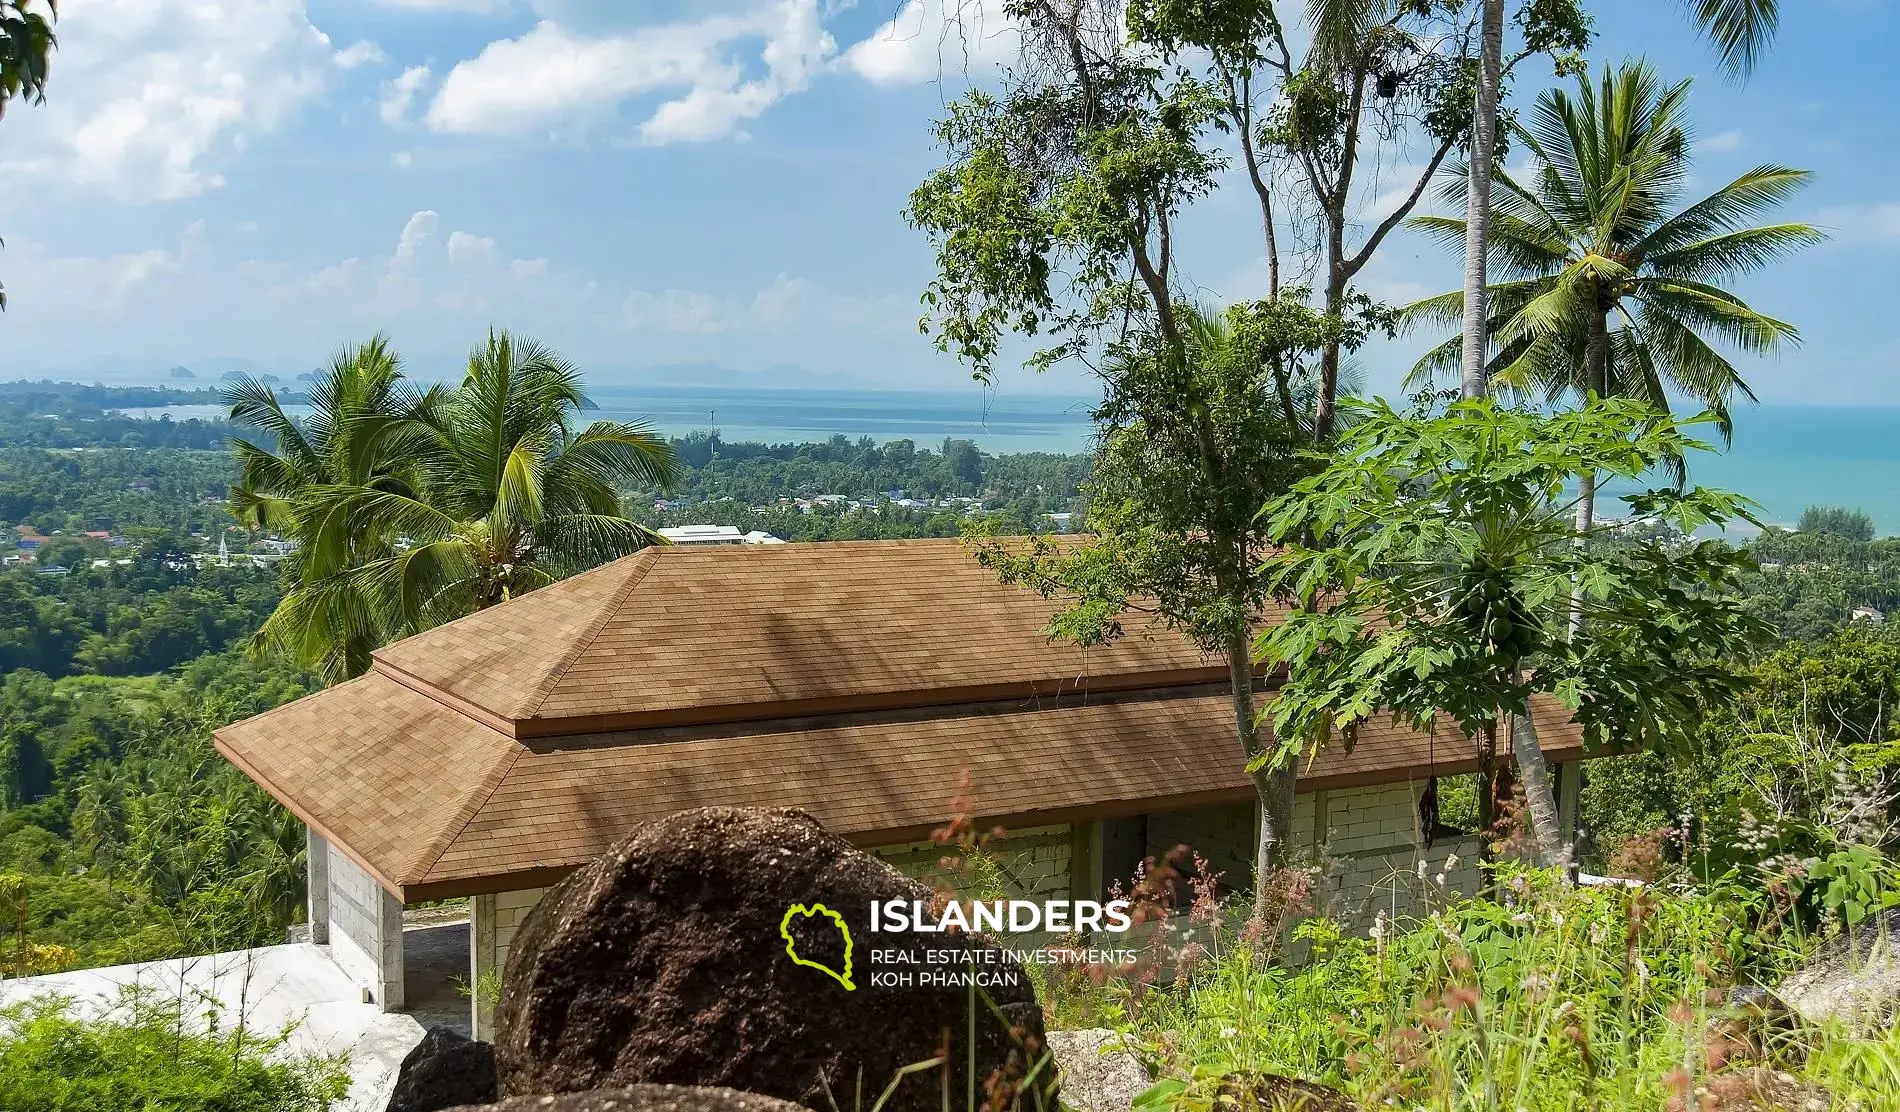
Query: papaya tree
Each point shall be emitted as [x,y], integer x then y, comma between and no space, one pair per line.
[1431,567]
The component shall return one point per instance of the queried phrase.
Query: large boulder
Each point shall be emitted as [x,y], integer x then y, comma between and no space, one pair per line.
[643,1098]
[1854,978]
[662,961]
[445,1069]
[1099,1072]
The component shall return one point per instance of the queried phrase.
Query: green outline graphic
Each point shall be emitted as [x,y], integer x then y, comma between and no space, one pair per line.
[791,950]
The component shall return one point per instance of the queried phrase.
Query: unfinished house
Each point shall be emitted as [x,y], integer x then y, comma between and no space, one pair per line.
[861,681]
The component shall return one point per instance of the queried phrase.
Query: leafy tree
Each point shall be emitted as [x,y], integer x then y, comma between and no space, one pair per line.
[1056,215]
[485,492]
[1431,563]
[1838,521]
[1190,450]
[1596,238]
[26,46]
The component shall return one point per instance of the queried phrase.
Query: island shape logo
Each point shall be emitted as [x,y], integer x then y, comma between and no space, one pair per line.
[791,947]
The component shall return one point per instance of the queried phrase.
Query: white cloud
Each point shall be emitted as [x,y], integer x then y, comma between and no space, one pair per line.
[364,53]
[1724,142]
[553,76]
[1880,221]
[402,160]
[929,38]
[465,248]
[155,96]
[400,94]
[782,301]
[477,6]
[675,311]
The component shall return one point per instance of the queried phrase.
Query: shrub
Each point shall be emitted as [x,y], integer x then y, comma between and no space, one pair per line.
[146,1055]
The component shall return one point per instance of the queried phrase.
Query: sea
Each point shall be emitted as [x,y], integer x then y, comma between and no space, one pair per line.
[1785,457]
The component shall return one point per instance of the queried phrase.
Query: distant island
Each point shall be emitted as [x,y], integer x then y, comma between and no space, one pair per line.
[181,372]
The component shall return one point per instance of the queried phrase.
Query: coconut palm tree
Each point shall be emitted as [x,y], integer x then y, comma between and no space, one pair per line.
[499,494]
[353,438]
[1612,285]
[1740,30]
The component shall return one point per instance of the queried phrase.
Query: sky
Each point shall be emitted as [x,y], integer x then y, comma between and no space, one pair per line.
[667,183]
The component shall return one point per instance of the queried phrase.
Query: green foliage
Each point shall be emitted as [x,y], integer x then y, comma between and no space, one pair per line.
[1432,567]
[1811,582]
[1059,182]
[132,838]
[149,1054]
[68,415]
[1562,998]
[1839,521]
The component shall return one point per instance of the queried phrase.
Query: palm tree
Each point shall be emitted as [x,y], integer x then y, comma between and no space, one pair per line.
[1740,30]
[500,495]
[354,438]
[1612,286]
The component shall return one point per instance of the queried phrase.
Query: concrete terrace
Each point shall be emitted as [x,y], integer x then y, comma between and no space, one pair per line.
[296,987]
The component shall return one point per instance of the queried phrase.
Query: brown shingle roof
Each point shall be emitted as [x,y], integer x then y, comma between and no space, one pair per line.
[856,680]
[675,634]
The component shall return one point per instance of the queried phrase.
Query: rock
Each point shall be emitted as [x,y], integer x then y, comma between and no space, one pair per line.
[1753,1021]
[1759,1089]
[661,961]
[1267,1092]
[1098,1073]
[1854,978]
[446,1068]
[643,1098]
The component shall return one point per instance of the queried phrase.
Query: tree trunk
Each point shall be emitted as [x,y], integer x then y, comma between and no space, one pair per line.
[1273,786]
[1325,412]
[1484,134]
[1595,384]
[1534,774]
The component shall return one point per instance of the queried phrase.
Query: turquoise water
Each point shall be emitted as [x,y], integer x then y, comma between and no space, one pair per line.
[1785,457]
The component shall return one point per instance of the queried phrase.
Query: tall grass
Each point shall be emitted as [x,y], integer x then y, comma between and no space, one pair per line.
[1548,999]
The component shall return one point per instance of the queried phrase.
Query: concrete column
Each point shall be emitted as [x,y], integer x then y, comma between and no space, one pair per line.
[1570,809]
[390,968]
[365,929]
[317,885]
[481,964]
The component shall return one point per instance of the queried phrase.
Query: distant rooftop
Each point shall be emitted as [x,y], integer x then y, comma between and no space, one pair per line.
[716,534]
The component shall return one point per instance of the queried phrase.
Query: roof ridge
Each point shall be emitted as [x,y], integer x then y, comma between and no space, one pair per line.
[553,679]
[485,789]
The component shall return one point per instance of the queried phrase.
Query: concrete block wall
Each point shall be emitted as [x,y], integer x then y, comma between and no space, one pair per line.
[1223,835]
[1367,844]
[493,922]
[365,930]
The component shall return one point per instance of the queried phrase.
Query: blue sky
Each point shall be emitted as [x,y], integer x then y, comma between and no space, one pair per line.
[652,182]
